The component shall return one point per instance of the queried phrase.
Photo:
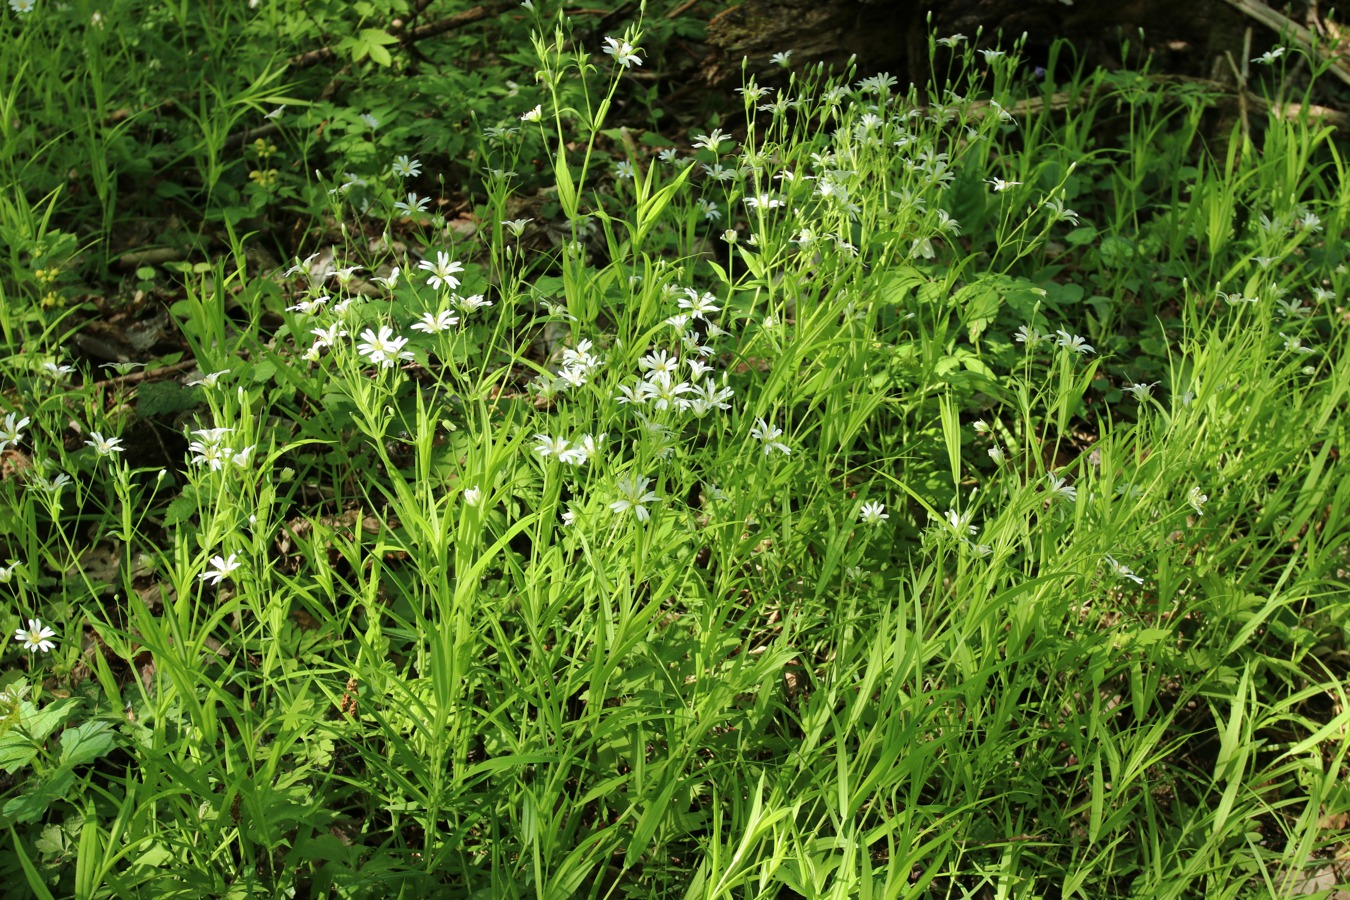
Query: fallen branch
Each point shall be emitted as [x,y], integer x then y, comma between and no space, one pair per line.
[409,37]
[1223,94]
[1296,32]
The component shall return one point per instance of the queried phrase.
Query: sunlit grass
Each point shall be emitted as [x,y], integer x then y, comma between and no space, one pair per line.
[891,499]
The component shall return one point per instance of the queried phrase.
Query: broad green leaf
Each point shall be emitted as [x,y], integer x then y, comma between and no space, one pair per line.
[16,751]
[85,743]
[32,803]
[38,724]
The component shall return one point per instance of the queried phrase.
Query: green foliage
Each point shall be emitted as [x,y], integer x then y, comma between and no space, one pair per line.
[878,499]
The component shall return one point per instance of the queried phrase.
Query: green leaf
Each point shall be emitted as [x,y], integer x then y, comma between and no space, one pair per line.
[16,751]
[85,743]
[38,724]
[1081,236]
[567,192]
[32,803]
[160,398]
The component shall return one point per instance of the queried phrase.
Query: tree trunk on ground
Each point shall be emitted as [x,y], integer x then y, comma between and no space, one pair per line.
[1188,37]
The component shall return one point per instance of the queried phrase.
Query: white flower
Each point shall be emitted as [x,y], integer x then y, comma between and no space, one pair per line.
[241,458]
[960,523]
[1197,500]
[1264,59]
[22,7]
[443,271]
[699,305]
[104,446]
[623,52]
[1121,571]
[763,201]
[370,120]
[404,167]
[623,170]
[275,114]
[781,59]
[11,431]
[327,337]
[1141,392]
[383,349]
[634,394]
[55,372]
[872,514]
[309,307]
[7,572]
[769,434]
[1000,185]
[471,303]
[1029,336]
[546,445]
[633,494]
[208,380]
[709,141]
[1059,213]
[991,55]
[344,275]
[51,485]
[36,637]
[660,364]
[997,455]
[533,115]
[1074,342]
[301,266]
[414,204]
[220,568]
[434,324]
[473,496]
[1059,486]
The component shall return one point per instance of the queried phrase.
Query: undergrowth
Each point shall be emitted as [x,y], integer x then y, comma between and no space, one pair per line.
[897,491]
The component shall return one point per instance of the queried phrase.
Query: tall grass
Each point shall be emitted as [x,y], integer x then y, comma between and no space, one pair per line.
[895,499]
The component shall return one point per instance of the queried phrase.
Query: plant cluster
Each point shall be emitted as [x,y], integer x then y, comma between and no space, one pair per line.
[901,492]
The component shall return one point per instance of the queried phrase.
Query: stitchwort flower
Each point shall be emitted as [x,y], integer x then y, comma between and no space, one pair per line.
[623,52]
[220,568]
[633,494]
[443,271]
[436,323]
[404,167]
[1061,487]
[769,434]
[1122,572]
[104,446]
[873,513]
[11,430]
[383,349]
[36,638]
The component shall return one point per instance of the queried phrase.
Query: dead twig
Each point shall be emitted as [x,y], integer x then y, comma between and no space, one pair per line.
[1301,36]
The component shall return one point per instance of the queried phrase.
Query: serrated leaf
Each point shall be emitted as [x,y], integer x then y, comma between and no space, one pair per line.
[180,510]
[85,743]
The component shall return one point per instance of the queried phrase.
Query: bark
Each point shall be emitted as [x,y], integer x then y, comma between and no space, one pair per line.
[1187,37]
